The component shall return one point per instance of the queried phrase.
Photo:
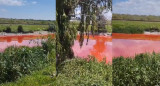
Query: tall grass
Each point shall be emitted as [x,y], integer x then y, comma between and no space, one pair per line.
[74,72]
[18,61]
[84,73]
[143,70]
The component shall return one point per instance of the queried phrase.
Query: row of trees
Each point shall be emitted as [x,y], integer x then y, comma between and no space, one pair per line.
[135,17]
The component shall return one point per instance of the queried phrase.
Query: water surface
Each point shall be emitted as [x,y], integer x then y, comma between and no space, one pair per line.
[128,45]
[98,46]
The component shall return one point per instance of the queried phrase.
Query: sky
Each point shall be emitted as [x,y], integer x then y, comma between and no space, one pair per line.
[138,7]
[28,9]
[107,15]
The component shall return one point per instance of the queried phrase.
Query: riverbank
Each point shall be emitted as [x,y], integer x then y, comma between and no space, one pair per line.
[21,34]
[74,72]
[141,70]
[134,27]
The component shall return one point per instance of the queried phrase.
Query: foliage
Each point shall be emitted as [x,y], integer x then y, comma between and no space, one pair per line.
[26,28]
[20,29]
[65,36]
[81,72]
[18,61]
[51,28]
[25,21]
[134,26]
[75,72]
[143,70]
[7,30]
[108,28]
[150,18]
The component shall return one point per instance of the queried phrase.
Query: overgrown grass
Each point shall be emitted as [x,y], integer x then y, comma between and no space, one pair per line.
[75,72]
[16,62]
[134,27]
[143,70]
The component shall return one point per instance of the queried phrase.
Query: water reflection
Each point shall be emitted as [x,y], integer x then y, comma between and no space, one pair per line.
[98,46]
[128,45]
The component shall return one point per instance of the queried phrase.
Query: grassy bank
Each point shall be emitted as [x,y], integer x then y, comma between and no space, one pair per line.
[24,66]
[134,27]
[143,70]
[13,28]
[75,72]
[16,62]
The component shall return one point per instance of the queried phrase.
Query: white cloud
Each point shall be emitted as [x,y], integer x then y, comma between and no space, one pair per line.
[140,7]
[107,15]
[34,2]
[12,2]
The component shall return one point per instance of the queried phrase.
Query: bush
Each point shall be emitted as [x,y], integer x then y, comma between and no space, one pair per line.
[8,30]
[20,29]
[51,28]
[18,61]
[108,28]
[143,70]
[85,73]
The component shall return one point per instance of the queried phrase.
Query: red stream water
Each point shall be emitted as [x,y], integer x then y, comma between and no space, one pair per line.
[128,45]
[98,46]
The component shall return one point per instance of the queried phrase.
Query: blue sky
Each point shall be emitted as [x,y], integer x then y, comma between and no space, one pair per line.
[28,9]
[118,1]
[138,7]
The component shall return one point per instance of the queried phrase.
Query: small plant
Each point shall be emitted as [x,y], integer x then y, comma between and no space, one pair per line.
[20,29]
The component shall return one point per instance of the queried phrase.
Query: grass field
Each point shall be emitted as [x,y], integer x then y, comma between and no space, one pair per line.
[26,28]
[133,27]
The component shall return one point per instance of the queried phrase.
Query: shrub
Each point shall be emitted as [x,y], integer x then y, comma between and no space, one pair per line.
[85,73]
[8,30]
[51,28]
[143,70]
[18,61]
[108,28]
[20,29]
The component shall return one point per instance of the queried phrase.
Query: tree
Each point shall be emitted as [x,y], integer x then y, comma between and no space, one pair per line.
[65,35]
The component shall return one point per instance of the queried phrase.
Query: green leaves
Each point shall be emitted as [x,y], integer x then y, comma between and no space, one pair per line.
[18,61]
[143,70]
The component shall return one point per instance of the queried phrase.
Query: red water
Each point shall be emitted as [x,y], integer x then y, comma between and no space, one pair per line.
[128,45]
[98,46]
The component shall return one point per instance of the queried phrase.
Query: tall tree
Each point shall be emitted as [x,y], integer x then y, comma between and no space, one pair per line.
[65,35]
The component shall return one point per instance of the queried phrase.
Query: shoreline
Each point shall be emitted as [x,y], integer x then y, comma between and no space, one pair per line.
[46,33]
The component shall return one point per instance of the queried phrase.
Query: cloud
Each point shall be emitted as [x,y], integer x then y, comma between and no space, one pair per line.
[107,15]
[139,7]
[34,2]
[12,2]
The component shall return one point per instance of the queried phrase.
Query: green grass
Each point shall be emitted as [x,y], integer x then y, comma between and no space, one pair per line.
[75,72]
[26,28]
[134,27]
[143,70]
[16,62]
